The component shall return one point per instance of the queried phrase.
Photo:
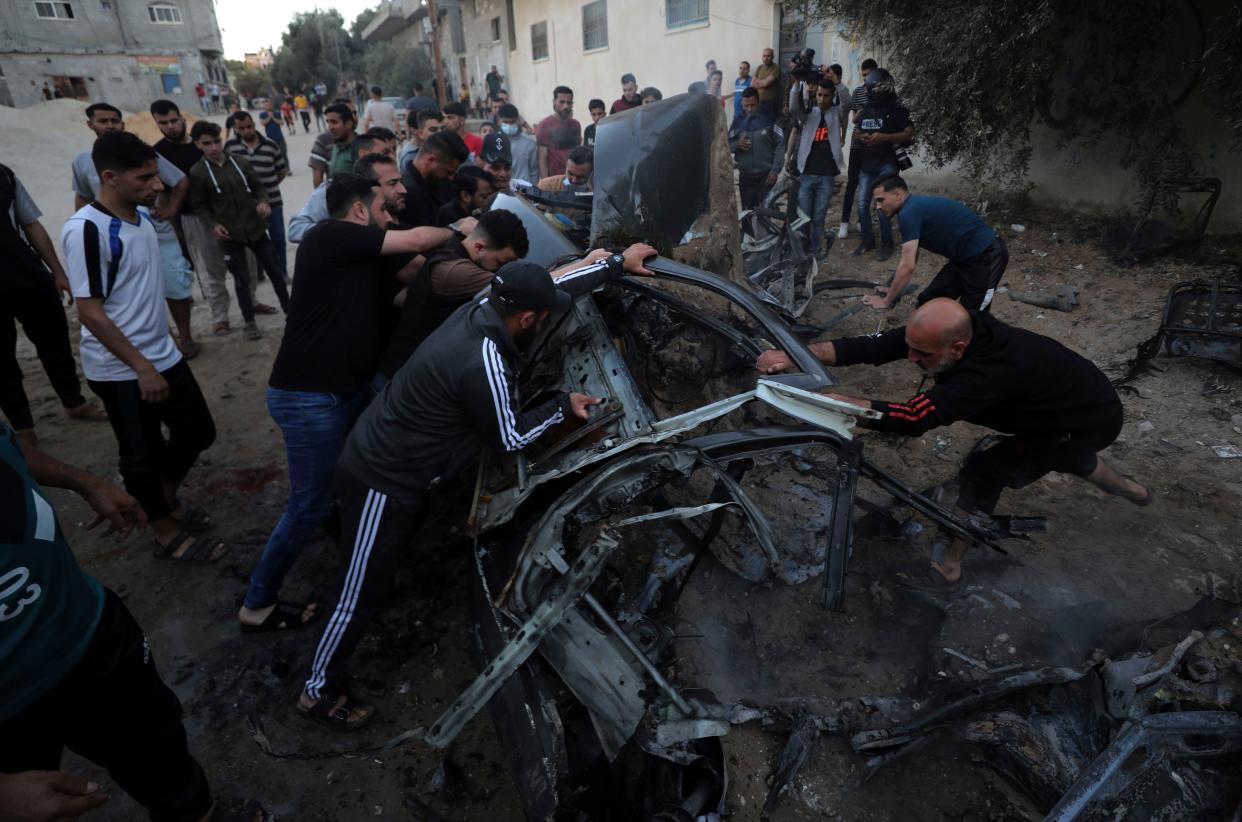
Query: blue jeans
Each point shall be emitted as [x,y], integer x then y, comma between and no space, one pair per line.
[314,426]
[866,185]
[378,383]
[814,194]
[276,231]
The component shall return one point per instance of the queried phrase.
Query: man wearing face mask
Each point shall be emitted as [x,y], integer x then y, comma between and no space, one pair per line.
[523,149]
[1056,406]
[456,396]
[577,177]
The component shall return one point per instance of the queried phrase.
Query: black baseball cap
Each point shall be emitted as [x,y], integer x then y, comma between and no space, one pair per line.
[496,149]
[521,286]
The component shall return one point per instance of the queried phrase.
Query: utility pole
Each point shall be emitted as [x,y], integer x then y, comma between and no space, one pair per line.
[434,15]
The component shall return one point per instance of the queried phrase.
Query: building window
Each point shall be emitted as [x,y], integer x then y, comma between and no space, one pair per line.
[54,11]
[595,25]
[495,29]
[684,12]
[164,14]
[539,40]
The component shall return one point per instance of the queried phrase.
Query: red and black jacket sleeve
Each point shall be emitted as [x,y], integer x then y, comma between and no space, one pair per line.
[959,395]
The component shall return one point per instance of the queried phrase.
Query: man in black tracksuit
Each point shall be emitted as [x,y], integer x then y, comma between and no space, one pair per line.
[454,397]
[1057,407]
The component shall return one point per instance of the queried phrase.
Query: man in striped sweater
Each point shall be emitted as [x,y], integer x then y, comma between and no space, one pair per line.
[268,161]
[453,398]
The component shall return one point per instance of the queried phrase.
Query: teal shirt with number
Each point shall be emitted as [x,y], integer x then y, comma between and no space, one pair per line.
[49,607]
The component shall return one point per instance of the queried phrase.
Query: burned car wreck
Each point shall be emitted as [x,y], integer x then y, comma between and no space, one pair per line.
[592,545]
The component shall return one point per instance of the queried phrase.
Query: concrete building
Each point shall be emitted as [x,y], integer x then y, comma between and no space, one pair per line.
[474,36]
[664,43]
[263,58]
[126,52]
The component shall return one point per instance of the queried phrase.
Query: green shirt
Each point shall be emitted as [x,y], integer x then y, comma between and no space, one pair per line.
[48,607]
[772,92]
[342,160]
[227,194]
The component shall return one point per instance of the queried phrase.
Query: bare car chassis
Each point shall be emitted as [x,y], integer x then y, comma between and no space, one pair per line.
[571,658]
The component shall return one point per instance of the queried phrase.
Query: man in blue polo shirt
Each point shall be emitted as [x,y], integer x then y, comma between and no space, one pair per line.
[976,255]
[740,85]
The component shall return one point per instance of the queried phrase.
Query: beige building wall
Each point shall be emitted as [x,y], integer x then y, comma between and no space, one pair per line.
[638,42]
[1086,178]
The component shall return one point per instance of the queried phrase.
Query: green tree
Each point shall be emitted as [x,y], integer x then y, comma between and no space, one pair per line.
[248,81]
[395,68]
[363,20]
[979,77]
[316,48]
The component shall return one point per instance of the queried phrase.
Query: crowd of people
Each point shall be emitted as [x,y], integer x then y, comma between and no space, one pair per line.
[411,309]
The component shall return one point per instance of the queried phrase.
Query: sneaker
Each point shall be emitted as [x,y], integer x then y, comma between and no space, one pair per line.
[885,252]
[862,249]
[252,331]
[843,231]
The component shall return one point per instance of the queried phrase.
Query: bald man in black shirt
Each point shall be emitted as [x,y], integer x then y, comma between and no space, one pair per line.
[1058,409]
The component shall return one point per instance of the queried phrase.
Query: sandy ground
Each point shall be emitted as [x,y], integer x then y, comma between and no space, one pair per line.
[1102,568]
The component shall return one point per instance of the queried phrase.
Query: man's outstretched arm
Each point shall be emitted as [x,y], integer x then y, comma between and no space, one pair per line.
[109,502]
[874,349]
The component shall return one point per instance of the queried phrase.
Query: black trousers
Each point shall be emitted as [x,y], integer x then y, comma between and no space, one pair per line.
[973,282]
[1019,460]
[752,188]
[114,710]
[376,531]
[851,185]
[42,316]
[146,457]
[265,255]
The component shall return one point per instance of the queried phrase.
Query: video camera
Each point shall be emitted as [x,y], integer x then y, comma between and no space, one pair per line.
[804,67]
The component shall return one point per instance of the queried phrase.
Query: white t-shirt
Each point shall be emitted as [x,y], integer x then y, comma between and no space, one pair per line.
[381,114]
[119,262]
[86,185]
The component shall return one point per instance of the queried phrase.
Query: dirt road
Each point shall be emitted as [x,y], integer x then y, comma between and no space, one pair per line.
[1102,568]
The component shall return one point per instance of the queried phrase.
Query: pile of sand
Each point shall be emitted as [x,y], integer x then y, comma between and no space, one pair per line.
[57,119]
[41,141]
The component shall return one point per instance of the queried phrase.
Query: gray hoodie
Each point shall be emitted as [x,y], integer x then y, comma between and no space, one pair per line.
[810,121]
